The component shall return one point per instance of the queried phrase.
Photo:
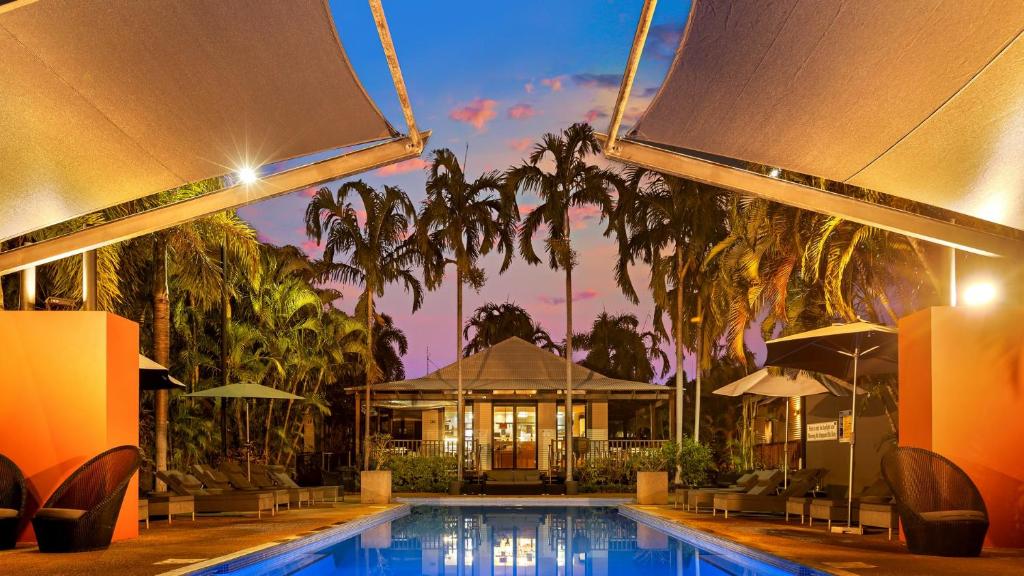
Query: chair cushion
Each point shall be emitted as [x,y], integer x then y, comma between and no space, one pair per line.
[60,513]
[953,515]
[8,513]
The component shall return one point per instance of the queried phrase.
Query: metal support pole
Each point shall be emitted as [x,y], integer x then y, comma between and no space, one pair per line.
[952,277]
[89,281]
[396,72]
[853,439]
[642,28]
[27,293]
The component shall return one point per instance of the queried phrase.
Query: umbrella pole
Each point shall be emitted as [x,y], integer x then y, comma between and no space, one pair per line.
[853,439]
[248,471]
[785,448]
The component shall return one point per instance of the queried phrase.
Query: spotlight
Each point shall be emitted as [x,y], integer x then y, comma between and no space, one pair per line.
[247,175]
[775,173]
[980,294]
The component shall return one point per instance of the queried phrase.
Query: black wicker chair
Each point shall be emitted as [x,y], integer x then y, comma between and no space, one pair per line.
[12,501]
[941,510]
[82,512]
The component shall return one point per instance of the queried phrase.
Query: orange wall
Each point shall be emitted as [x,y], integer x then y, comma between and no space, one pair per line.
[69,385]
[962,395]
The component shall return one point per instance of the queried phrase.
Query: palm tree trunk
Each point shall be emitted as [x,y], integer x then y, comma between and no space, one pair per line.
[225,344]
[460,441]
[679,357]
[266,431]
[161,348]
[369,374]
[568,351]
[699,355]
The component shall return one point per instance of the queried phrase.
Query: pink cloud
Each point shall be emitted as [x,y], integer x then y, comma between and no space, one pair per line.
[477,113]
[576,297]
[311,249]
[410,165]
[594,114]
[528,87]
[519,144]
[522,111]
[582,216]
[555,84]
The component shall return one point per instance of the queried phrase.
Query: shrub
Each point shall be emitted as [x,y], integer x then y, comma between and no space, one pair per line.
[695,460]
[415,473]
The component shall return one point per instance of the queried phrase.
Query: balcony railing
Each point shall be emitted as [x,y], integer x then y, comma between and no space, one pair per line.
[437,448]
[584,448]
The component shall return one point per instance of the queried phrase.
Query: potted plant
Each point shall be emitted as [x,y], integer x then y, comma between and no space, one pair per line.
[652,474]
[375,485]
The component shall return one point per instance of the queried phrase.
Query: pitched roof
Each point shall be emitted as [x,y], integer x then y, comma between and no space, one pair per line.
[515,364]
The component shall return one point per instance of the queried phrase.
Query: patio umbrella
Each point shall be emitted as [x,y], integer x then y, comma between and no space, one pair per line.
[845,351]
[153,376]
[245,390]
[764,383]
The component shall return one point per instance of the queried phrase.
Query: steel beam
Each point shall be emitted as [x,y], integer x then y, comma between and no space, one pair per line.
[227,198]
[632,63]
[814,199]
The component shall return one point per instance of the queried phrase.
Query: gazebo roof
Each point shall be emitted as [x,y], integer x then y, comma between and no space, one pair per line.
[515,364]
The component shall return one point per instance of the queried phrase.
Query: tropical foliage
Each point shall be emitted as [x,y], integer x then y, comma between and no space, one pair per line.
[617,348]
[492,323]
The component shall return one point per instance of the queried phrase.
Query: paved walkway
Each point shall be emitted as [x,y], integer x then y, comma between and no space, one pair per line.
[163,548]
[868,555]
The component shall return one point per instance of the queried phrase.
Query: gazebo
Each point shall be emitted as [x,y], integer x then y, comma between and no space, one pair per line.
[515,410]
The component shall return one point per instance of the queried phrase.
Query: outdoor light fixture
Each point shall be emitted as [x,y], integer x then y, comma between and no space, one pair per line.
[980,293]
[247,175]
[775,173]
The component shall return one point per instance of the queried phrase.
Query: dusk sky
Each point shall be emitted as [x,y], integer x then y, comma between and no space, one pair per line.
[496,76]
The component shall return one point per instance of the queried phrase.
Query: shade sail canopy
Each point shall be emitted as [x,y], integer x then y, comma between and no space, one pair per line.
[102,103]
[154,376]
[245,390]
[764,383]
[515,364]
[919,100]
[830,350]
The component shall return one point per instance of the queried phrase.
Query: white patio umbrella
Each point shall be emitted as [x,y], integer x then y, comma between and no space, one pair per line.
[764,383]
[245,390]
[845,351]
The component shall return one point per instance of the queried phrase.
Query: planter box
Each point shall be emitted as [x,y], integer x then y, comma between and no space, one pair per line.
[375,487]
[652,488]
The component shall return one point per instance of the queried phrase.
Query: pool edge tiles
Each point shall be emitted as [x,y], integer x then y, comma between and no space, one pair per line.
[717,543]
[515,501]
[316,537]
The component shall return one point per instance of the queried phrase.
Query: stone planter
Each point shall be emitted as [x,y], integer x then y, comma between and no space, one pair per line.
[375,487]
[652,487]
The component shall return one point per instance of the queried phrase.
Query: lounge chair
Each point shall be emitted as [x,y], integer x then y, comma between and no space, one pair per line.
[941,509]
[216,500]
[13,497]
[211,477]
[297,494]
[742,484]
[317,493]
[765,482]
[81,513]
[834,509]
[763,501]
[239,481]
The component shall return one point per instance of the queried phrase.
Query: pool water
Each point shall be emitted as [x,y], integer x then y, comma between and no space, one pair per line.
[496,541]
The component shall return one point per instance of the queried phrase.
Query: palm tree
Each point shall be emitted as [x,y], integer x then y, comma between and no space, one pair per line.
[374,254]
[572,182]
[671,224]
[616,347]
[492,323]
[460,222]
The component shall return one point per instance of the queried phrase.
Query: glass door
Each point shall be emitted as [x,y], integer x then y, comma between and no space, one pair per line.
[515,437]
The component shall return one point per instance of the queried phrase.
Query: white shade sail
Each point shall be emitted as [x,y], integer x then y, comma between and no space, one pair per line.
[106,102]
[922,100]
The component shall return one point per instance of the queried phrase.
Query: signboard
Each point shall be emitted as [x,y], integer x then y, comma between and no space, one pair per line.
[822,431]
[845,426]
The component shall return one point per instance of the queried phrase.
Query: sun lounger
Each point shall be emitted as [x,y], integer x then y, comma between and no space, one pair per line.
[262,477]
[765,482]
[834,509]
[215,500]
[742,484]
[763,501]
[237,477]
[319,493]
[211,477]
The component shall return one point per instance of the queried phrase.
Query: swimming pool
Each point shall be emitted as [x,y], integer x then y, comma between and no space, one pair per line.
[510,541]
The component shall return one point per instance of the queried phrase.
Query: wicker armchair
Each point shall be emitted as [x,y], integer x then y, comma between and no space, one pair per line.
[12,501]
[940,508]
[82,512]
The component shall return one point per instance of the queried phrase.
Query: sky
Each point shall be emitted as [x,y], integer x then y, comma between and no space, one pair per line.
[496,76]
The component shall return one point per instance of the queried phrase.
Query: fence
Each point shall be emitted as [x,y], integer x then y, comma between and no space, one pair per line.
[437,448]
[773,454]
[584,448]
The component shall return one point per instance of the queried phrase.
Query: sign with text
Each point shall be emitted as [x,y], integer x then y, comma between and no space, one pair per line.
[822,431]
[845,426]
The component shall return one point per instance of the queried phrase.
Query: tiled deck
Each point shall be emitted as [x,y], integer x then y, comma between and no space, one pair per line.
[868,555]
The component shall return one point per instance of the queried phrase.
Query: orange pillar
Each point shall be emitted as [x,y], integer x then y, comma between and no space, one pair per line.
[962,395]
[69,384]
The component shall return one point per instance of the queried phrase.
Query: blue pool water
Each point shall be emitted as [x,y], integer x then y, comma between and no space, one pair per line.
[493,541]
